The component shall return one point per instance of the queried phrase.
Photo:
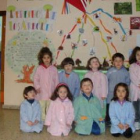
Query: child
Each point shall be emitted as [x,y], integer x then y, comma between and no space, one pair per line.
[116,74]
[135,83]
[87,111]
[69,77]
[99,80]
[30,112]
[45,79]
[121,112]
[60,113]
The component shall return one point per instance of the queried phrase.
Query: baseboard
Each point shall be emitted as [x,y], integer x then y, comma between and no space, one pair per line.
[10,106]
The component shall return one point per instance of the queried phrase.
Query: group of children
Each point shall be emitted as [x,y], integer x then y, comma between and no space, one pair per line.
[60,100]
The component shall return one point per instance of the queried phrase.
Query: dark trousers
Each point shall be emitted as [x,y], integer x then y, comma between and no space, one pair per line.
[107,118]
[128,133]
[136,105]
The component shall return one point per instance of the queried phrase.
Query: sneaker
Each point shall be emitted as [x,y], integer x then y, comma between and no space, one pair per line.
[137,125]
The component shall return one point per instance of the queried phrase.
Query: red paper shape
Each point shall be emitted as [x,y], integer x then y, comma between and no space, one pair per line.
[79,4]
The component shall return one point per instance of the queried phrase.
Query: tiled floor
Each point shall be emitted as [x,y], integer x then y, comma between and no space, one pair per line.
[9,130]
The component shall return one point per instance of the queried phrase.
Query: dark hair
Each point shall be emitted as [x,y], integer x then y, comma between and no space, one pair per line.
[42,52]
[118,55]
[132,58]
[89,61]
[55,94]
[28,89]
[67,61]
[86,80]
[115,98]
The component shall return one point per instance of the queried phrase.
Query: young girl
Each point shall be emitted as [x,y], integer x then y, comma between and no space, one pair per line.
[30,112]
[134,60]
[87,109]
[99,80]
[121,112]
[45,79]
[60,114]
[69,77]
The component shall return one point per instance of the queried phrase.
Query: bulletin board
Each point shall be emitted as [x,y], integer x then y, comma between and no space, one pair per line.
[78,29]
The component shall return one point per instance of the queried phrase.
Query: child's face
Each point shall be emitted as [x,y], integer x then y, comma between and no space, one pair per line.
[62,92]
[68,68]
[121,93]
[118,62]
[46,59]
[94,64]
[87,87]
[138,56]
[30,95]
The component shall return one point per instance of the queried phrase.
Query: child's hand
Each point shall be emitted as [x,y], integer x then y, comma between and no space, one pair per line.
[103,98]
[101,119]
[126,126]
[68,125]
[36,122]
[30,123]
[84,117]
[121,126]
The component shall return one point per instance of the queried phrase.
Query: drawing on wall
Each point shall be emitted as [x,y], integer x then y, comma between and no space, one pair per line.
[31,19]
[123,8]
[21,53]
[91,17]
[137,5]
[135,23]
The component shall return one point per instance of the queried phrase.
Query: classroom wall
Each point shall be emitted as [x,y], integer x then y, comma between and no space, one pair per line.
[3,5]
[29,29]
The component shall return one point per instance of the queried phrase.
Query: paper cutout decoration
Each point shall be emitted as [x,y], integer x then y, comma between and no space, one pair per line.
[81,30]
[78,62]
[84,42]
[68,36]
[135,23]
[60,32]
[108,38]
[96,29]
[74,46]
[79,4]
[92,51]
[115,31]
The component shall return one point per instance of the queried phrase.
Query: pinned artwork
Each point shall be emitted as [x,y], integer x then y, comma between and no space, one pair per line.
[135,23]
[137,5]
[60,32]
[108,38]
[92,51]
[84,42]
[124,8]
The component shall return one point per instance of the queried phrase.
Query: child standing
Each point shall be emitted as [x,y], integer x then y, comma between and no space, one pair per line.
[121,112]
[116,74]
[30,112]
[60,114]
[45,79]
[87,111]
[99,80]
[135,83]
[69,77]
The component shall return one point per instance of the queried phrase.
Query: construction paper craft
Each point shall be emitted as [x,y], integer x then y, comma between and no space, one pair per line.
[137,5]
[135,23]
[123,8]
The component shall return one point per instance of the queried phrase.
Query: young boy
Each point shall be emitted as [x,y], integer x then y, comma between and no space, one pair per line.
[30,112]
[69,77]
[116,74]
[87,111]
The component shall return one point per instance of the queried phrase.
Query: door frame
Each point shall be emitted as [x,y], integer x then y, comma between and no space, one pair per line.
[3,14]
